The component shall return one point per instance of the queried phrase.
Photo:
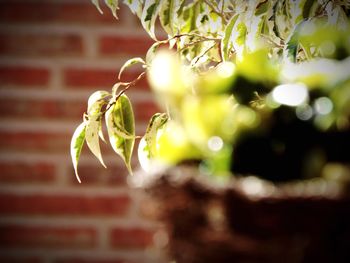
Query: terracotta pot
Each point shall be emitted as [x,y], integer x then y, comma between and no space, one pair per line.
[250,220]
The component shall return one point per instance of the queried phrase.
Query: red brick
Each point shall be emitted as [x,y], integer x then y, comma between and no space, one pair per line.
[23,75]
[131,45]
[19,172]
[60,205]
[58,109]
[102,78]
[20,259]
[12,236]
[131,238]
[42,11]
[23,108]
[35,141]
[90,77]
[95,174]
[92,260]
[44,45]
[144,110]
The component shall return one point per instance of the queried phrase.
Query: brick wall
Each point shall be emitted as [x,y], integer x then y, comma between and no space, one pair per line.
[53,55]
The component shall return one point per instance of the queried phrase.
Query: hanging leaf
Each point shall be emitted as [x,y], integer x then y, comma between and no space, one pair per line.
[152,51]
[157,121]
[113,5]
[92,138]
[292,43]
[76,145]
[188,18]
[149,15]
[225,43]
[238,36]
[95,101]
[168,15]
[255,28]
[121,115]
[148,144]
[135,6]
[129,63]
[100,132]
[97,4]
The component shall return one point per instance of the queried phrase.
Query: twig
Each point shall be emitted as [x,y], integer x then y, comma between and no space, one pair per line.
[205,52]
[127,86]
[215,10]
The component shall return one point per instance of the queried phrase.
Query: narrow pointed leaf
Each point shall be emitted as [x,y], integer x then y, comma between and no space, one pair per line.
[97,4]
[168,15]
[151,52]
[100,132]
[226,45]
[95,101]
[292,43]
[76,145]
[113,5]
[121,115]
[149,15]
[92,138]
[129,63]
[157,121]
[135,6]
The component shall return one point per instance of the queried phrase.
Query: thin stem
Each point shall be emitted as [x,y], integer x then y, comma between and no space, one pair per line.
[127,86]
[205,52]
[212,7]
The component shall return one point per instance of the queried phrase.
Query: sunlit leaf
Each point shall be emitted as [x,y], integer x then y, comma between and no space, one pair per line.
[226,44]
[292,45]
[92,138]
[100,132]
[113,5]
[76,145]
[167,15]
[147,150]
[121,115]
[135,6]
[152,52]
[96,101]
[149,15]
[157,121]
[189,17]
[97,4]
[129,63]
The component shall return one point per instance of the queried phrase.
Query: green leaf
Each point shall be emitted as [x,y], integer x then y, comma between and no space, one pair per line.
[76,145]
[157,121]
[151,52]
[100,132]
[189,17]
[168,15]
[292,43]
[147,149]
[121,115]
[96,101]
[225,44]
[129,63]
[92,138]
[135,6]
[262,8]
[113,5]
[149,15]
[97,4]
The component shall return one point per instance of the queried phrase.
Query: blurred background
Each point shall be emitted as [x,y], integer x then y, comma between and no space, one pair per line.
[53,55]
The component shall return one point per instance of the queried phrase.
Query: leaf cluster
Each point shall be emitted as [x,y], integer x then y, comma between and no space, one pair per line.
[230,57]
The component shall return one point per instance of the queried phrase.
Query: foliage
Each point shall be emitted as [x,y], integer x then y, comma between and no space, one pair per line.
[234,65]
